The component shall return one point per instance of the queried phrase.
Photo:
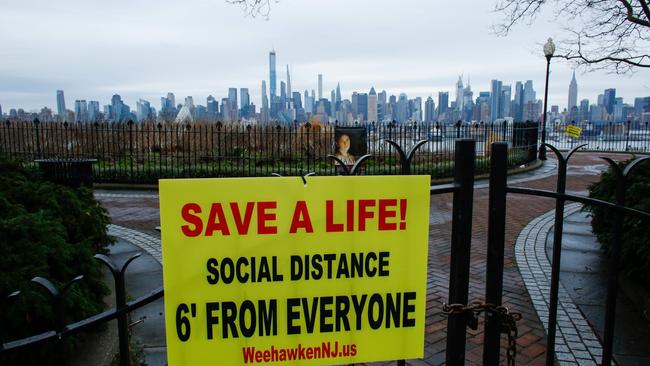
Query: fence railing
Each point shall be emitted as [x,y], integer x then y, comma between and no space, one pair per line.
[627,136]
[460,314]
[143,153]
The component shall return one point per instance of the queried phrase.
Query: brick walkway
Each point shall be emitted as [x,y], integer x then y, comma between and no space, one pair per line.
[140,212]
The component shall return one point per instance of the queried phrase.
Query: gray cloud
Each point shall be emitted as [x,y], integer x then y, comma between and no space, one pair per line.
[145,48]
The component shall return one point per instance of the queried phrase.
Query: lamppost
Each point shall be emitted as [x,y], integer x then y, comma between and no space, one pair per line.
[549,50]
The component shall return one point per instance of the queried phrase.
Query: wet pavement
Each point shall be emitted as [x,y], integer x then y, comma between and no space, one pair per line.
[144,275]
[583,273]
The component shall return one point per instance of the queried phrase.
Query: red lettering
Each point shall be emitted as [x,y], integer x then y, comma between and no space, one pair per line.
[242,224]
[301,219]
[384,213]
[267,355]
[350,215]
[249,353]
[330,226]
[263,217]
[188,214]
[364,214]
[216,212]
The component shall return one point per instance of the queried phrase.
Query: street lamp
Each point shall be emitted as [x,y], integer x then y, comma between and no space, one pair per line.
[549,50]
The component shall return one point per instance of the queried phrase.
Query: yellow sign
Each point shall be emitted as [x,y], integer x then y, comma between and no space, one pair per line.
[573,131]
[276,271]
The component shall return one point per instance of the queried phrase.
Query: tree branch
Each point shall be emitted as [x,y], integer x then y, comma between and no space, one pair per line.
[630,14]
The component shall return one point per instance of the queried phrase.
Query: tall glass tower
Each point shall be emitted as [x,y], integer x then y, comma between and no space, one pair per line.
[272,76]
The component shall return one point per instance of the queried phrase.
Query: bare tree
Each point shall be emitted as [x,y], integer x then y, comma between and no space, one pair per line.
[612,35]
[254,8]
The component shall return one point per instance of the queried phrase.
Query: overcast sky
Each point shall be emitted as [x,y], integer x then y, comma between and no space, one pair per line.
[145,48]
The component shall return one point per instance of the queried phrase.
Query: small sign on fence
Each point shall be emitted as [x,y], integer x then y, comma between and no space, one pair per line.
[573,131]
[277,270]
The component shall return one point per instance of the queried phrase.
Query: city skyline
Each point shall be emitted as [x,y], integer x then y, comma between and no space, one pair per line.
[143,58]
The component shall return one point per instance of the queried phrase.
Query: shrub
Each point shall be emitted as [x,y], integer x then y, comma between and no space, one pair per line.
[50,231]
[635,252]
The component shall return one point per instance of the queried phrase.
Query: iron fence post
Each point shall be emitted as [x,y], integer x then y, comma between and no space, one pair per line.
[38,138]
[59,315]
[120,303]
[627,136]
[130,124]
[496,238]
[557,249]
[461,237]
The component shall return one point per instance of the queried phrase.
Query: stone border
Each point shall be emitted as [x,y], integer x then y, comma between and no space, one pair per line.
[144,241]
[575,343]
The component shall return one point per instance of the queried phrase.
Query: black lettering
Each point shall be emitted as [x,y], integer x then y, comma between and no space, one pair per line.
[371,256]
[268,318]
[342,309]
[392,309]
[242,261]
[213,277]
[276,276]
[375,322]
[326,313]
[296,268]
[383,264]
[408,309]
[227,270]
[210,319]
[357,265]
[310,316]
[292,315]
[229,313]
[265,272]
[358,308]
[329,258]
[343,267]
[247,330]
[317,271]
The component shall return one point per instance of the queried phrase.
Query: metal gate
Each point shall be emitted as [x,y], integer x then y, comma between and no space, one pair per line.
[462,313]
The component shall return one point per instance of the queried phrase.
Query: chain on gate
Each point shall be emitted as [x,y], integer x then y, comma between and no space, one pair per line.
[508,321]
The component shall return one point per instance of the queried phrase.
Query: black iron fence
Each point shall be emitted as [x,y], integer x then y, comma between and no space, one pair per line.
[143,153]
[461,311]
[607,136]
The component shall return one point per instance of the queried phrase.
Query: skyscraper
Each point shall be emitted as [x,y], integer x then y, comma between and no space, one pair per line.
[60,104]
[212,106]
[519,101]
[264,112]
[529,92]
[80,110]
[443,102]
[402,108]
[272,73]
[93,111]
[609,100]
[338,93]
[320,86]
[573,93]
[504,103]
[289,92]
[460,94]
[244,102]
[143,110]
[429,110]
[495,94]
[372,106]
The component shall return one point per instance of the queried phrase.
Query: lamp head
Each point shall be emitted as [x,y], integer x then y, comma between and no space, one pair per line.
[549,48]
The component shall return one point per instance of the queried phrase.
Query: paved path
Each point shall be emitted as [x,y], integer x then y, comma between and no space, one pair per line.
[583,287]
[140,212]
